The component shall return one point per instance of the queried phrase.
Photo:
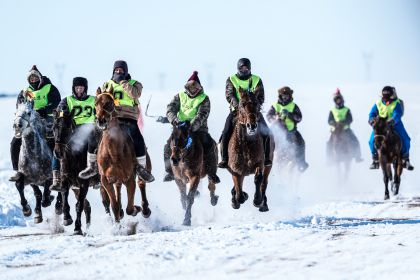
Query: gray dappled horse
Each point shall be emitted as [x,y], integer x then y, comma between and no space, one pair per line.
[34,159]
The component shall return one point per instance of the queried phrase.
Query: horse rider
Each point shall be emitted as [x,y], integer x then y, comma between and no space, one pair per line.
[45,97]
[254,85]
[389,106]
[82,107]
[287,114]
[192,105]
[127,91]
[340,116]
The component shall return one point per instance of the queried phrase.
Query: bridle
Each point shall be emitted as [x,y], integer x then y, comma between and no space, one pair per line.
[116,103]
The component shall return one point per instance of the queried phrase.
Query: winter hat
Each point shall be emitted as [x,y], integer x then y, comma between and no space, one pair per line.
[285,90]
[34,72]
[80,81]
[193,84]
[244,62]
[337,94]
[122,64]
[388,90]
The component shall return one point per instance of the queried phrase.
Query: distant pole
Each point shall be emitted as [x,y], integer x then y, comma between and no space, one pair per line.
[367,59]
[209,68]
[161,79]
[60,68]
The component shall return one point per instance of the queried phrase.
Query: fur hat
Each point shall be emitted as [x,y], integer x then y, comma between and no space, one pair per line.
[193,84]
[80,81]
[285,90]
[121,64]
[34,72]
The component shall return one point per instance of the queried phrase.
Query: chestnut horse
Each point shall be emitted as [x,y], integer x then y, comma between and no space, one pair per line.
[388,145]
[246,152]
[188,166]
[117,159]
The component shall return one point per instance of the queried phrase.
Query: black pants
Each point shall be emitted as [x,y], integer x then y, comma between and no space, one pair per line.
[133,131]
[228,129]
[15,150]
[294,137]
[209,146]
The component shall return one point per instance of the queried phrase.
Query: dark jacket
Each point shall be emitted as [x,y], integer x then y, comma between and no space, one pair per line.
[231,98]
[199,122]
[54,98]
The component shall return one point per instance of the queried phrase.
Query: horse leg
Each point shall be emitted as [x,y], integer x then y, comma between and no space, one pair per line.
[213,197]
[397,176]
[79,208]
[88,210]
[26,208]
[47,198]
[385,178]
[109,188]
[59,204]
[38,198]
[264,184]
[131,191]
[258,178]
[105,200]
[146,212]
[190,199]
[67,219]
[117,189]
[183,192]
[238,196]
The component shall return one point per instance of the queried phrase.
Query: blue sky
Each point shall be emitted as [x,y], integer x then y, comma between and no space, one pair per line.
[288,42]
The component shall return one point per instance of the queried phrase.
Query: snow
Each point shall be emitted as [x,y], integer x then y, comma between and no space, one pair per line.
[317,226]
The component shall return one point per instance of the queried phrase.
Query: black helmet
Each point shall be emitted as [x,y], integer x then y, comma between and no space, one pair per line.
[387,92]
[244,74]
[79,81]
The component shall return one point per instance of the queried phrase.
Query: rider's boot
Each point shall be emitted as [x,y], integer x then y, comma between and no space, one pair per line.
[91,169]
[375,162]
[224,153]
[406,164]
[169,176]
[142,172]
[56,183]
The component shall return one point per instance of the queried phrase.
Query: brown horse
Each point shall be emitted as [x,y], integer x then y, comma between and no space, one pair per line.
[341,150]
[188,166]
[116,158]
[388,145]
[246,153]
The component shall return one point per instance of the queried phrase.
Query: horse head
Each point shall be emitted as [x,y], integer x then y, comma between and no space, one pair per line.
[248,111]
[180,141]
[104,106]
[63,125]
[380,130]
[24,118]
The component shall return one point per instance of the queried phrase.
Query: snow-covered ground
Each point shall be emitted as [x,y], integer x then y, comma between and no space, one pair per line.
[317,226]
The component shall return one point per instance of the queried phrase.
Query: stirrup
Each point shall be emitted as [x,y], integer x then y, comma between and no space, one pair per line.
[374,165]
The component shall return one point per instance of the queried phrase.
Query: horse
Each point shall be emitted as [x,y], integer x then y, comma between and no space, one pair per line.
[341,151]
[70,148]
[388,145]
[35,159]
[188,166]
[117,159]
[246,153]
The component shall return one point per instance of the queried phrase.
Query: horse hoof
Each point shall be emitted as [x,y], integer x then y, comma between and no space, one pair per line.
[107,211]
[146,212]
[67,222]
[243,198]
[214,199]
[263,208]
[136,210]
[47,201]
[78,232]
[58,210]
[26,210]
[197,194]
[38,219]
[186,223]
[121,214]
[257,202]
[235,205]
[386,197]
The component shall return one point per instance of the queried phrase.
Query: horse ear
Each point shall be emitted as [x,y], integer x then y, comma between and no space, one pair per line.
[98,91]
[111,89]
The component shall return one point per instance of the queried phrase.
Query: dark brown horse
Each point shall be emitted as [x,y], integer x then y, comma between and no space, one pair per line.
[188,166]
[388,145]
[246,153]
[117,159]
[72,155]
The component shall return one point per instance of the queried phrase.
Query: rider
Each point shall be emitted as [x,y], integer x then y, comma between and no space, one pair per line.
[389,106]
[245,80]
[192,105]
[341,115]
[126,93]
[82,107]
[287,114]
[46,98]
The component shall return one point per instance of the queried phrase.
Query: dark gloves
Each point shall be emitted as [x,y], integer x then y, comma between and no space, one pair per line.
[175,121]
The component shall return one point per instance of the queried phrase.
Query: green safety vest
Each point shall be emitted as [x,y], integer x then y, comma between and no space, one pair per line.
[244,84]
[189,106]
[290,124]
[82,109]
[340,116]
[40,96]
[386,111]
[122,97]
